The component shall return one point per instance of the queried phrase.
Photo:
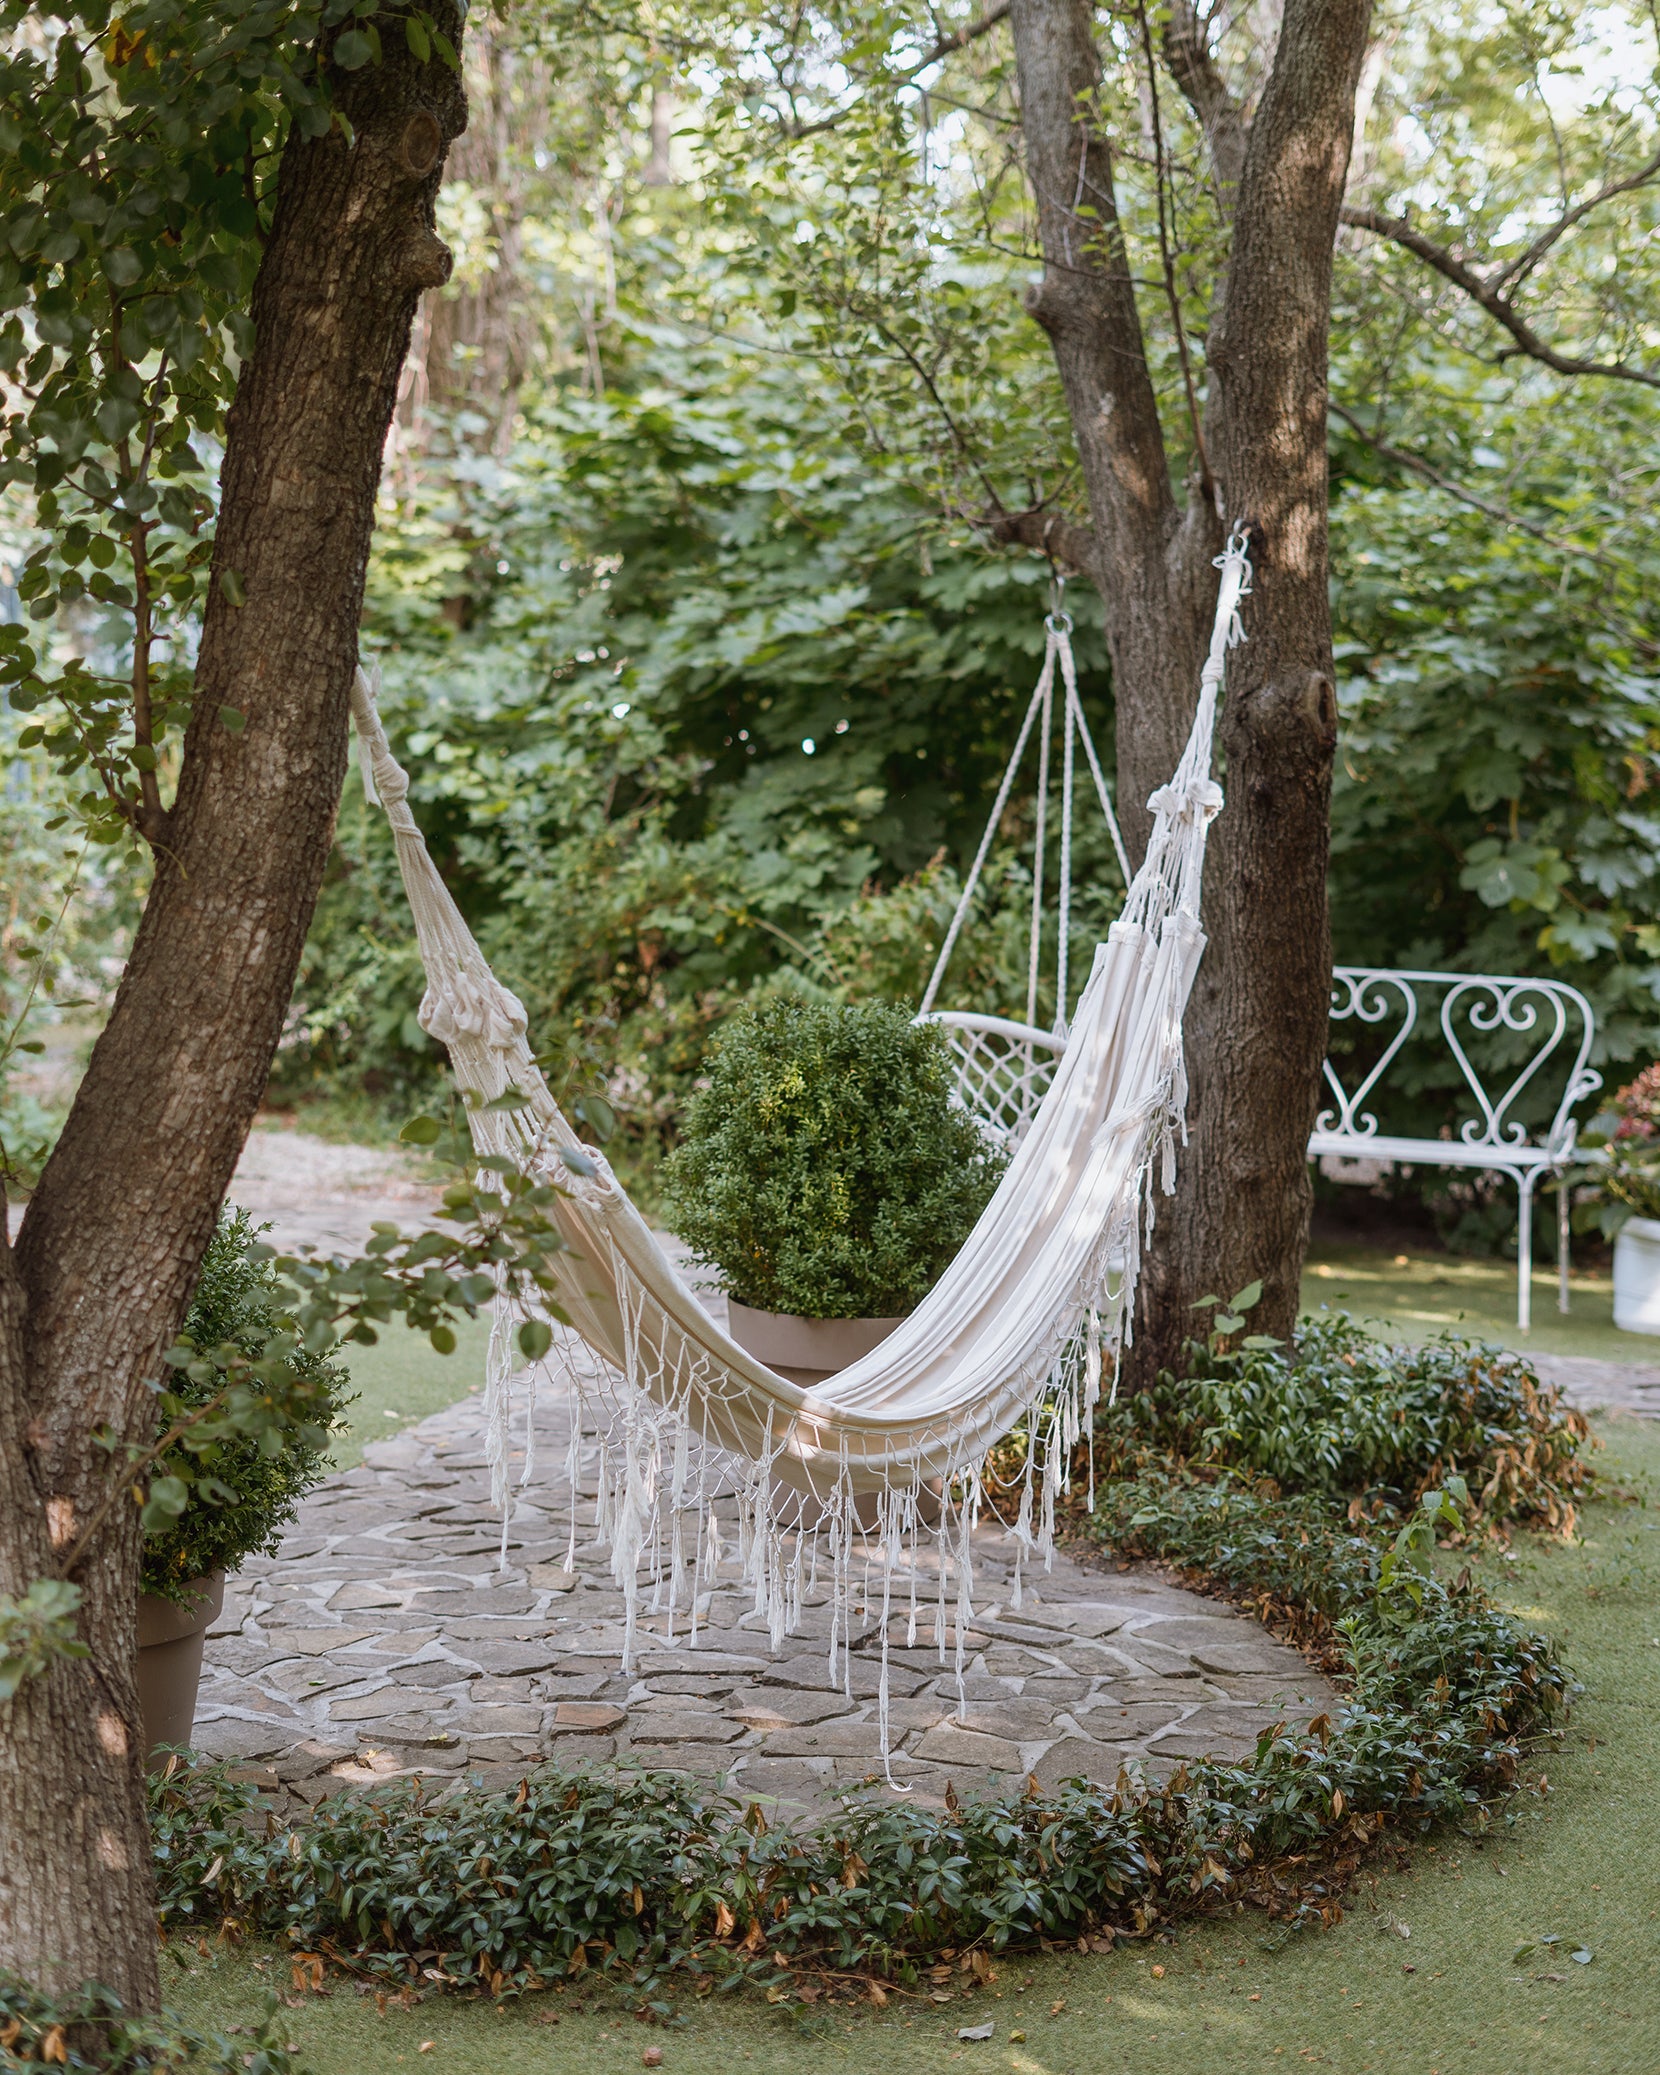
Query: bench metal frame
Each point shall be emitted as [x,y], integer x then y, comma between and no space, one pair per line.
[1004,1069]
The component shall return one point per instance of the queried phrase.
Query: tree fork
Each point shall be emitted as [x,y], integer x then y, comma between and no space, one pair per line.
[112,1241]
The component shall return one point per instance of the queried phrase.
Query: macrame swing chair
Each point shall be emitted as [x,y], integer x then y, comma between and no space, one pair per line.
[839,1486]
[1003,1068]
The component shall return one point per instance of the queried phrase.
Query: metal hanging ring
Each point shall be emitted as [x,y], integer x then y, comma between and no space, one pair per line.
[1058,622]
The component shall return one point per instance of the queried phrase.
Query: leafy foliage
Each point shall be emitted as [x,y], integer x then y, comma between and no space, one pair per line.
[137,166]
[36,1629]
[1624,1182]
[91,2031]
[825,1170]
[238,1493]
[1341,1415]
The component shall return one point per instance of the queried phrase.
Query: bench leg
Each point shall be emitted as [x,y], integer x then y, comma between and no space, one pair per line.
[1562,1244]
[1524,1254]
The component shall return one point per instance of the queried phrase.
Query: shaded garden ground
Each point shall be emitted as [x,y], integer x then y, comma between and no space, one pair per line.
[1420,1978]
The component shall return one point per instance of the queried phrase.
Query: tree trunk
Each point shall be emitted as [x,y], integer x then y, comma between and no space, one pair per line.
[113,1238]
[1256,1029]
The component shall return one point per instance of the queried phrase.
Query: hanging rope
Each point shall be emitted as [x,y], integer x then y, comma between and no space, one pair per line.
[1057,651]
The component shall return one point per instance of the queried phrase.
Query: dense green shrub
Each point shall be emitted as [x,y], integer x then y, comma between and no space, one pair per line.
[251,1490]
[91,2031]
[1340,1413]
[824,1169]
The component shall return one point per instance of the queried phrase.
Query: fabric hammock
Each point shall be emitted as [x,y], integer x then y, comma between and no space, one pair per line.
[692,1435]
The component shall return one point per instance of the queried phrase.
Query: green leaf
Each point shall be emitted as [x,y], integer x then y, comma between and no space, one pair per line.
[535,1338]
[1247,1297]
[231,584]
[421,1131]
[415,35]
[442,1339]
[353,50]
[1227,1322]
[1199,1303]
[230,718]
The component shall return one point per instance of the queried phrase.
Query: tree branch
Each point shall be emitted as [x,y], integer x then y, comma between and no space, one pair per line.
[1062,539]
[1196,72]
[959,39]
[1486,290]
[1430,474]
[1519,269]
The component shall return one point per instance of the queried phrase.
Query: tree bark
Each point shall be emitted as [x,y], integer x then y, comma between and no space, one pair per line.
[1256,1028]
[112,1241]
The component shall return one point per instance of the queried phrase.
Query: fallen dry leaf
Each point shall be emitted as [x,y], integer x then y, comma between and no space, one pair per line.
[426,2046]
[1158,1974]
[652,2057]
[1017,2038]
[1057,2006]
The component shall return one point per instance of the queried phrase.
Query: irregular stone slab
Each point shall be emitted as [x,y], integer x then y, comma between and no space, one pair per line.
[314,1642]
[950,1744]
[1081,1758]
[571,1717]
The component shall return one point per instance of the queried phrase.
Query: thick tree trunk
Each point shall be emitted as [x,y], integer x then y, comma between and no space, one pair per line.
[1256,1029]
[111,1243]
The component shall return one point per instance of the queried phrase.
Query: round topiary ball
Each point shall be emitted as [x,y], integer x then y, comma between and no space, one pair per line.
[825,1170]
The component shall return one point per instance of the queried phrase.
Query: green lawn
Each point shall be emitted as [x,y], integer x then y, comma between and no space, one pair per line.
[1413,1296]
[1581,1859]
[402,1379]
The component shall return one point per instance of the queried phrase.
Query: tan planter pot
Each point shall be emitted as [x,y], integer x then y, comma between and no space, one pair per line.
[170,1640]
[806,1350]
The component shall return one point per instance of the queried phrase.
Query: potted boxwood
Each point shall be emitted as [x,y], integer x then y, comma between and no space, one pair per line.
[1624,1197]
[828,1177]
[241,1491]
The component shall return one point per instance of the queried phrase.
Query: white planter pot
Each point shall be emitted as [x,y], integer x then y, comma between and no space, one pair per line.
[807,1350]
[1637,1276]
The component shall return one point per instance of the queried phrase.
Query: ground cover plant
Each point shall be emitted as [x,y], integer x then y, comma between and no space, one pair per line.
[660,1878]
[91,2031]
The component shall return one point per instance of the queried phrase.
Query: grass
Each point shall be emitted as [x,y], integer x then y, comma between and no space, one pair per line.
[402,1379]
[1415,1295]
[1581,1859]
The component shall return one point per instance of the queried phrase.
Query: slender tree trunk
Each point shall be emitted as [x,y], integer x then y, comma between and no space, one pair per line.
[113,1238]
[1256,1029]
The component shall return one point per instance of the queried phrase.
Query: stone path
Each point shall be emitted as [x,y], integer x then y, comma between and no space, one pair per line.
[383,1639]
[1597,1386]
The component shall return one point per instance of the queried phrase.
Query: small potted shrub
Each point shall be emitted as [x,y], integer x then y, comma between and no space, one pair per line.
[1625,1186]
[828,1177]
[241,1495]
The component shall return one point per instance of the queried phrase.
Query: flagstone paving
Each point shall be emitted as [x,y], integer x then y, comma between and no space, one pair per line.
[384,1639]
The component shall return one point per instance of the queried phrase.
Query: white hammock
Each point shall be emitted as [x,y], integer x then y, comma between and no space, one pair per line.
[688,1425]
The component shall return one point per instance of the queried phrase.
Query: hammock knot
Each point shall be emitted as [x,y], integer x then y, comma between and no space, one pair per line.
[1201,796]
[466,1005]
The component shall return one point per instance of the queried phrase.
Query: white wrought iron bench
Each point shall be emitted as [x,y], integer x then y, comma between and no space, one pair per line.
[1540,1028]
